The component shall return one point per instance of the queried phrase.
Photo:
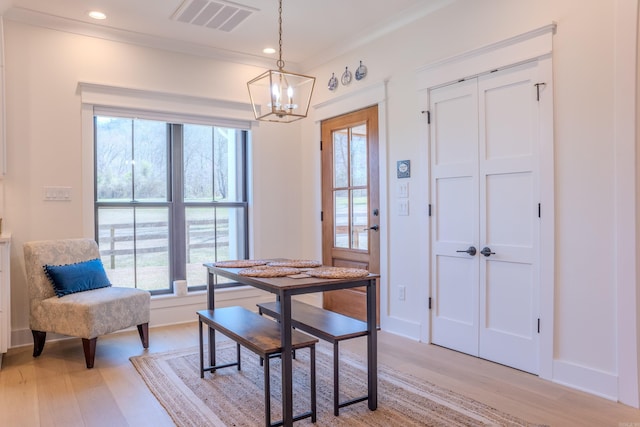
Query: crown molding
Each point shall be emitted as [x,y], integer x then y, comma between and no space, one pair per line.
[371,34]
[39,19]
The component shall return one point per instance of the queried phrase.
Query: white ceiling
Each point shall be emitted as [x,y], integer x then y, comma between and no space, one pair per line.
[314,31]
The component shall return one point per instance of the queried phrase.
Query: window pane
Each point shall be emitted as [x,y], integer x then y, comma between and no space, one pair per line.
[152,248]
[113,159]
[228,162]
[359,156]
[340,159]
[150,160]
[359,220]
[341,220]
[115,239]
[213,234]
[134,246]
[198,163]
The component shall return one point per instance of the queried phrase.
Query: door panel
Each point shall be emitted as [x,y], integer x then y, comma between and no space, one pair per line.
[454,188]
[484,187]
[350,203]
[509,225]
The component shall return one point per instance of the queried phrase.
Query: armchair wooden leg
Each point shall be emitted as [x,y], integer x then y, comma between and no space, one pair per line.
[39,338]
[89,346]
[143,331]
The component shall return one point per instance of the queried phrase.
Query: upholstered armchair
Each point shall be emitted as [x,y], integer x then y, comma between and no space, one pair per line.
[82,313]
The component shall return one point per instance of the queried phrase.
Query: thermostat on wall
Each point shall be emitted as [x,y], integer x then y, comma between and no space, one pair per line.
[404,168]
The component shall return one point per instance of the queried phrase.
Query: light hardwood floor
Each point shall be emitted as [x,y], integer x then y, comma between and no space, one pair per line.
[57,390]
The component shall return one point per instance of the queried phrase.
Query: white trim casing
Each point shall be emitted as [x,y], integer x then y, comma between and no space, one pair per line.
[374,94]
[626,200]
[533,45]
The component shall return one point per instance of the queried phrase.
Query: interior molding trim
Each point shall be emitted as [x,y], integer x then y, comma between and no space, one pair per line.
[513,51]
[171,310]
[57,23]
[534,45]
[375,93]
[104,95]
[589,380]
[626,226]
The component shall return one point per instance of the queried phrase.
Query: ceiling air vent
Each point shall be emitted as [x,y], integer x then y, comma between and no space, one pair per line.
[221,15]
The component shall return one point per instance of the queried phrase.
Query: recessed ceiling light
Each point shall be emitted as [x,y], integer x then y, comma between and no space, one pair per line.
[268,50]
[97,15]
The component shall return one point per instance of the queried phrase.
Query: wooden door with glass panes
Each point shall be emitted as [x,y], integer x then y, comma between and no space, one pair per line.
[350,203]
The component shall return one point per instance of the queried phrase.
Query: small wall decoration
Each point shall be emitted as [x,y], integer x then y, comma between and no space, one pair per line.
[346,77]
[361,72]
[333,82]
[404,168]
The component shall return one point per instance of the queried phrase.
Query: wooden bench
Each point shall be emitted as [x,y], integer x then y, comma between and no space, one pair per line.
[326,325]
[261,336]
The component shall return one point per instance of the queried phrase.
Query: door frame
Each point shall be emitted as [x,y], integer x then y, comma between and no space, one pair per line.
[530,46]
[374,94]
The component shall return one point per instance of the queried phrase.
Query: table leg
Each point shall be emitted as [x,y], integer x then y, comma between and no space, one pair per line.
[287,359]
[372,346]
[211,305]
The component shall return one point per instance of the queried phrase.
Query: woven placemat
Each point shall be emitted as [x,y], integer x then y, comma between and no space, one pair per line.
[337,272]
[240,263]
[263,271]
[295,263]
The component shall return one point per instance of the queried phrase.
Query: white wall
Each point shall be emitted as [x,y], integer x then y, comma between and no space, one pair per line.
[587,335]
[43,68]
[45,147]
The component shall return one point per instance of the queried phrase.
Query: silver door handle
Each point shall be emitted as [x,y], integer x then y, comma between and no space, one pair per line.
[486,251]
[471,250]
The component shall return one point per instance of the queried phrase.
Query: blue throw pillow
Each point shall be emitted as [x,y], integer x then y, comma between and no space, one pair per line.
[78,277]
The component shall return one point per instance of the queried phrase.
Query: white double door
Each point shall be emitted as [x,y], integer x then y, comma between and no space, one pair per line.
[485,216]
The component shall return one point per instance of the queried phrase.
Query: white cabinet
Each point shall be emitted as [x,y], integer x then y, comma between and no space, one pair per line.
[5,295]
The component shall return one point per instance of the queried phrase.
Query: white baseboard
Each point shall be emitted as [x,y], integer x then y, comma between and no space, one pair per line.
[401,327]
[603,384]
[171,309]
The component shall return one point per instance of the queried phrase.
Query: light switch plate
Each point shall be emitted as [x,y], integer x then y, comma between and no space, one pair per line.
[56,193]
[403,207]
[403,189]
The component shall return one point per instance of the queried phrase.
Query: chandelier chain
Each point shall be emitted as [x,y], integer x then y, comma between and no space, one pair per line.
[280,62]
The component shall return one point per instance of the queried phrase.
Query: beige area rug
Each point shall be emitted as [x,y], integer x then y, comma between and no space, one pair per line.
[230,397]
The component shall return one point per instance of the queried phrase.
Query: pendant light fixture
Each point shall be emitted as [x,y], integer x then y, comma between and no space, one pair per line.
[279,95]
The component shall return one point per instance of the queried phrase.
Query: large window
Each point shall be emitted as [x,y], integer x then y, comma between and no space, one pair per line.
[168,198]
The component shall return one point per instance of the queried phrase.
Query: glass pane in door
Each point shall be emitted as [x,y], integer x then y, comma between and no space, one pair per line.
[341,219]
[341,158]
[358,156]
[350,188]
[359,220]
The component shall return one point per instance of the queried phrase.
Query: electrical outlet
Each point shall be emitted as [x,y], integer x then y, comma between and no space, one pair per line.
[402,293]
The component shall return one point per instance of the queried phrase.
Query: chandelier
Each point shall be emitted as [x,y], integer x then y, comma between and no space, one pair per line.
[279,95]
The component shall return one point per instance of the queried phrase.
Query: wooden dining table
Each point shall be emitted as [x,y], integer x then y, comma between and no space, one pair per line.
[286,287]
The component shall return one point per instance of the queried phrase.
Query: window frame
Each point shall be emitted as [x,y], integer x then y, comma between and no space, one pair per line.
[175,202]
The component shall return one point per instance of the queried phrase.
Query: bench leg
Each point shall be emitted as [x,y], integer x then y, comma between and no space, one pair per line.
[238,355]
[336,379]
[267,393]
[201,349]
[312,352]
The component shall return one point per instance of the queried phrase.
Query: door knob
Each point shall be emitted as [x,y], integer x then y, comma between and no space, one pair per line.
[471,250]
[373,227]
[486,251]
